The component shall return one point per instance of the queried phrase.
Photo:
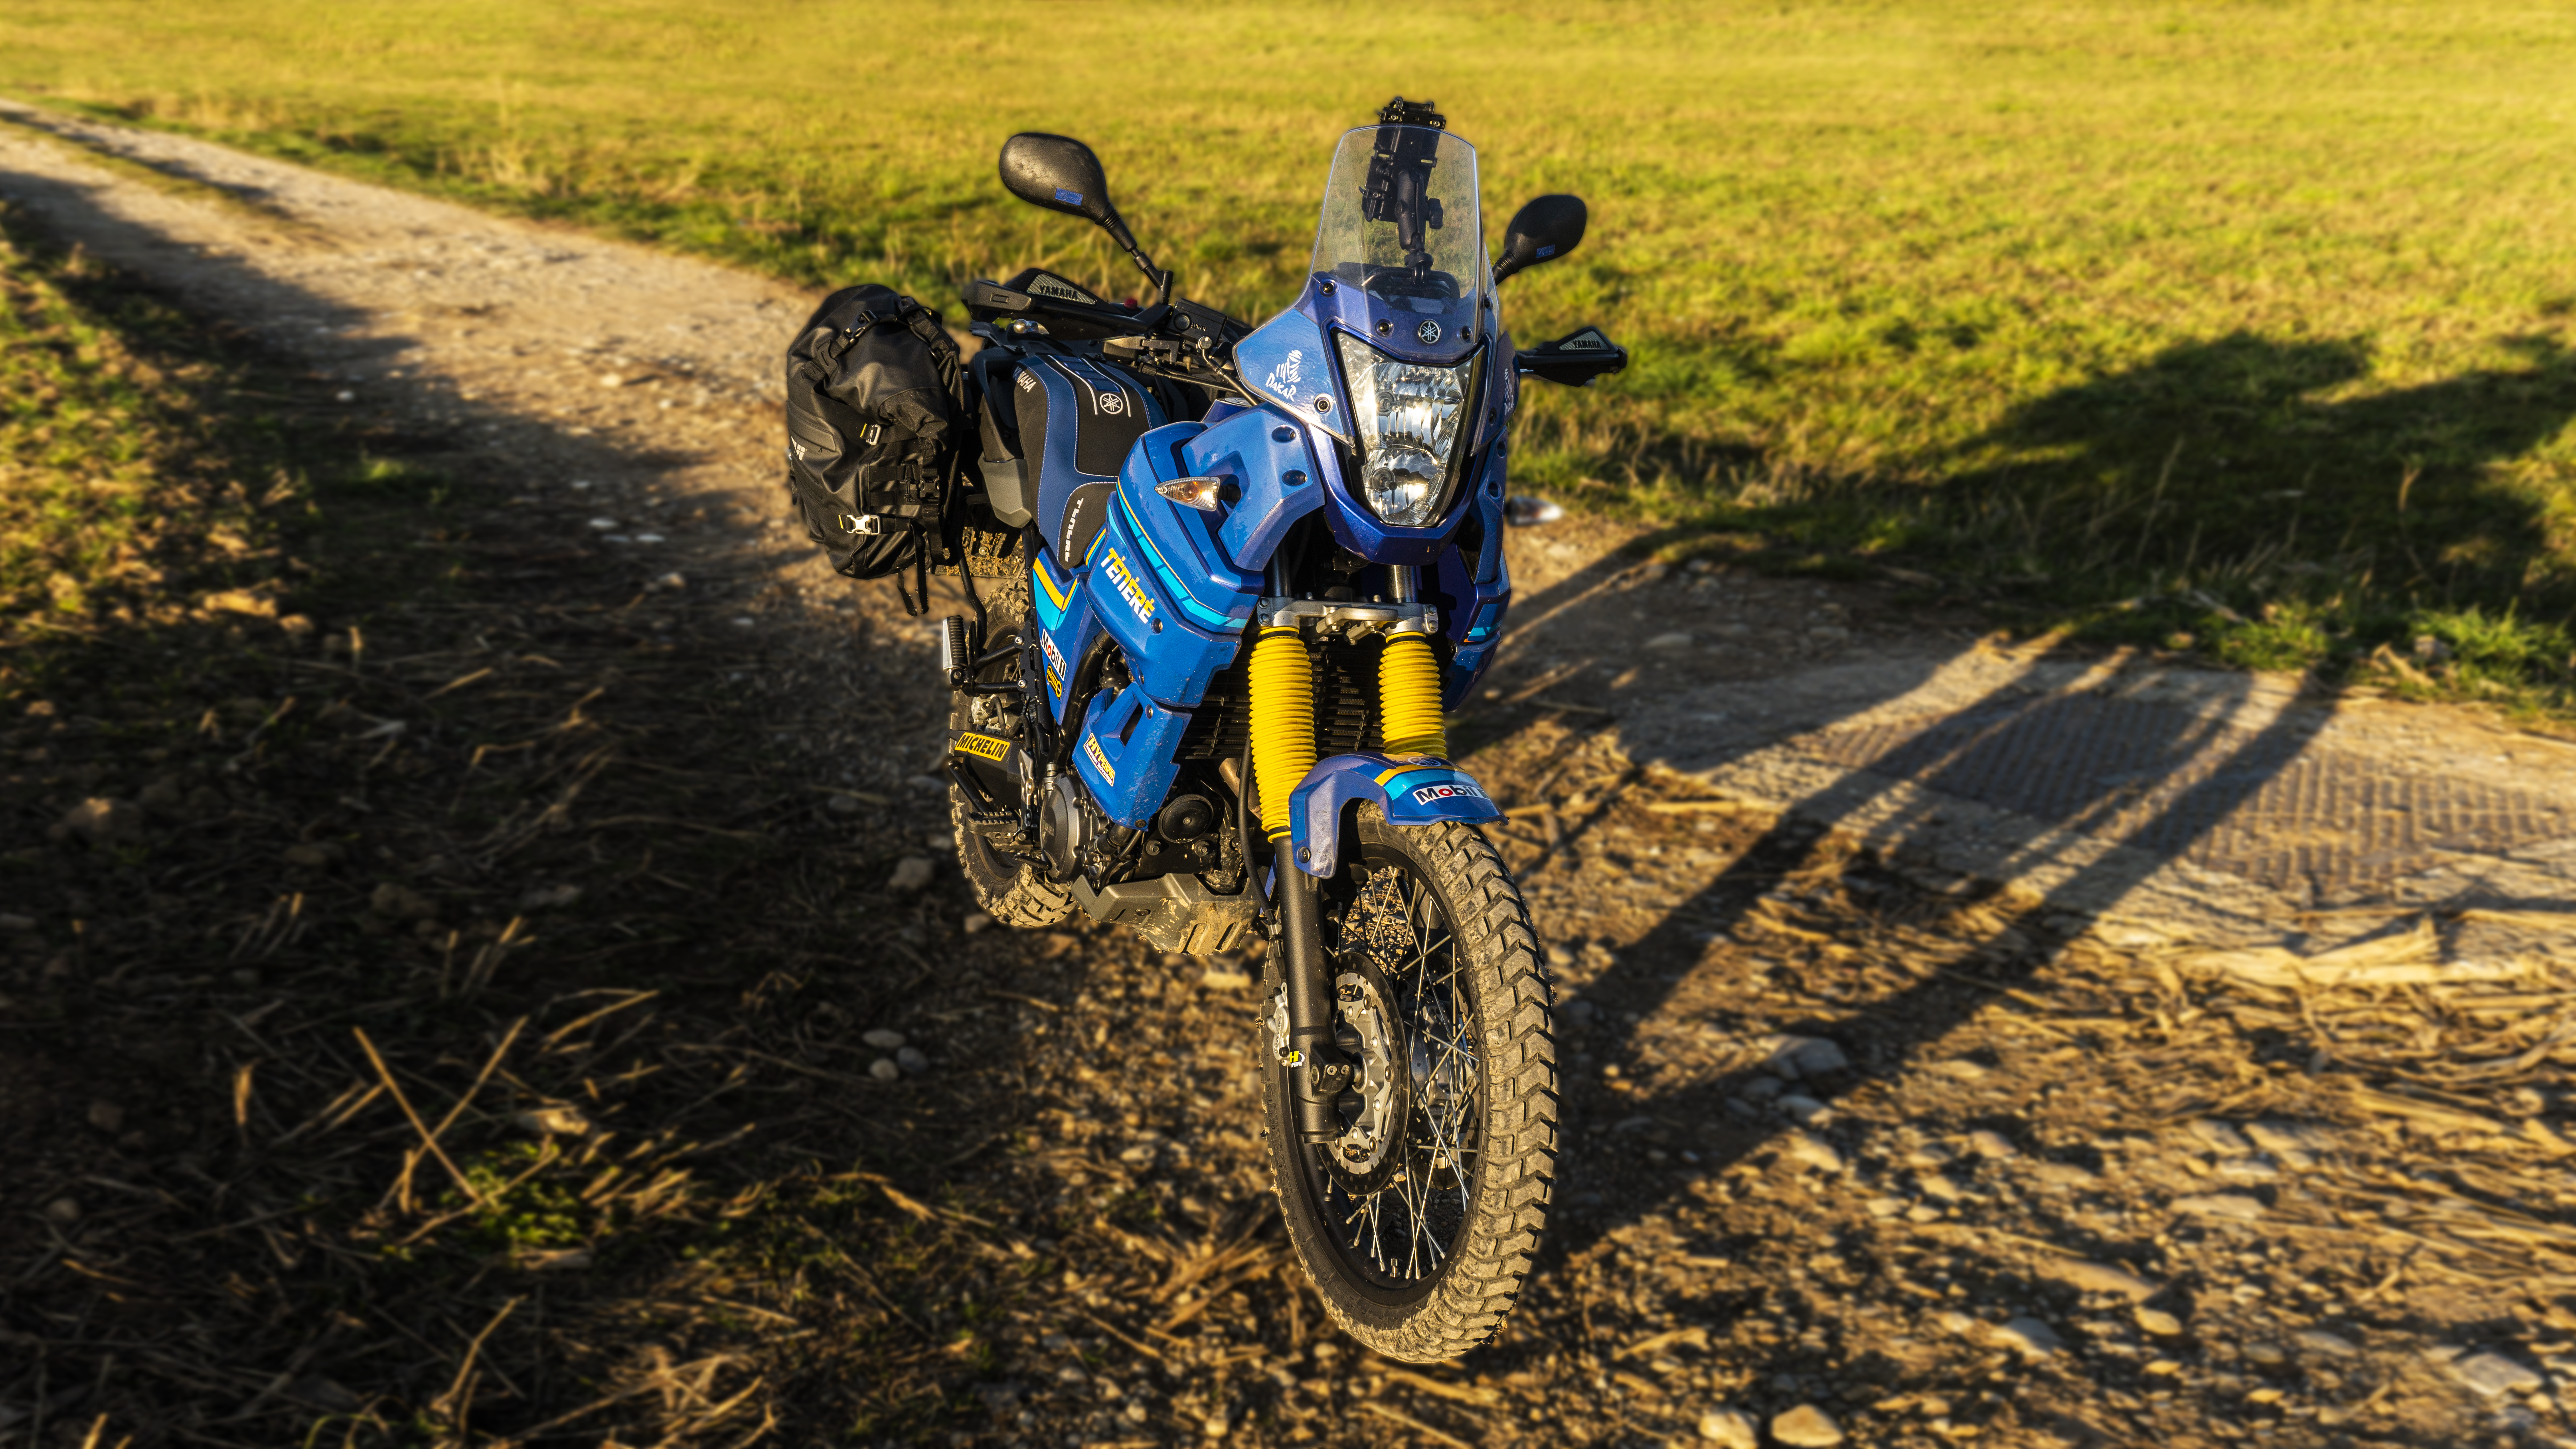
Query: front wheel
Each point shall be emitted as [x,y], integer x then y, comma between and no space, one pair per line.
[1419,1222]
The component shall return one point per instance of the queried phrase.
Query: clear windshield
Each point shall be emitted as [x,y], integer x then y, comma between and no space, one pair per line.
[1400,220]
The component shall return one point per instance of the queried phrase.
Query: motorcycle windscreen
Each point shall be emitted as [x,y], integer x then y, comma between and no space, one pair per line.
[1401,229]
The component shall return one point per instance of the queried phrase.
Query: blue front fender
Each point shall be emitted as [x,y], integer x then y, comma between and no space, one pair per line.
[1407,791]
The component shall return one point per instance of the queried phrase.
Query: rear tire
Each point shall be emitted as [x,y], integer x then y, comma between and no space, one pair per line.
[1442,999]
[1014,892]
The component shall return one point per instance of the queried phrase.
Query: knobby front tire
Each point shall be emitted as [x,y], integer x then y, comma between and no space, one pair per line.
[1419,1226]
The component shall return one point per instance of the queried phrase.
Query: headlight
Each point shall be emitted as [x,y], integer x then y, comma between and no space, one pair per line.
[1408,419]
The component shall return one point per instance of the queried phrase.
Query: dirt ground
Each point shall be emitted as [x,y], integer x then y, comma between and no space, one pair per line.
[507,1013]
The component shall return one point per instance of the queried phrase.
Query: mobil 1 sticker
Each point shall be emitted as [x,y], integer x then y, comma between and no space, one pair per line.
[1448,790]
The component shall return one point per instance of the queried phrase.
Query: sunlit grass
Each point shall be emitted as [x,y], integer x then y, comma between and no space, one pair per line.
[105,496]
[2066,306]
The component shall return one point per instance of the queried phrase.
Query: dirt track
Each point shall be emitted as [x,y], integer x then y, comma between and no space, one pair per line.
[1941,1159]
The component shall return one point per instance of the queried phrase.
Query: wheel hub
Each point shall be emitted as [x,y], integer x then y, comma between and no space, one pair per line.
[1373,1108]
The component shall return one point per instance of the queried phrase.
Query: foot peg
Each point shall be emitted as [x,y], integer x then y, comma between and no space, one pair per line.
[956,658]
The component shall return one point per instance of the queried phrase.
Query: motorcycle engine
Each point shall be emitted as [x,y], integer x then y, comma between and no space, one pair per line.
[1069,826]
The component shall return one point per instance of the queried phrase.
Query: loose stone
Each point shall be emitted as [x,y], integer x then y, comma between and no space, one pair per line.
[884,1070]
[2222,1137]
[912,1061]
[884,1039]
[1729,1429]
[2494,1375]
[1806,1427]
[2030,1336]
[2101,1278]
[1814,1151]
[2317,1340]
[1988,1143]
[910,874]
[2233,1206]
[2158,1322]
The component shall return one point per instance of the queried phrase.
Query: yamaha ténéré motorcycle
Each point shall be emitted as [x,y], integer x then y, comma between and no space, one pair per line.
[1261,562]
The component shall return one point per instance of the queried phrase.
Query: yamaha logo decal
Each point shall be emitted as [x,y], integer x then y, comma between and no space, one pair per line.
[1428,332]
[1113,403]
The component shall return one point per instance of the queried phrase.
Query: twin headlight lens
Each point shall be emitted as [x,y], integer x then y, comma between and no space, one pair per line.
[1408,418]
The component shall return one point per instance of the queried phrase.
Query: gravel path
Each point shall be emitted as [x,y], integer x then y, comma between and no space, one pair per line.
[1927,1088]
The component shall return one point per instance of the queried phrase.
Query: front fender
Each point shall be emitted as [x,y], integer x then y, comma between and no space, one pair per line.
[1410,791]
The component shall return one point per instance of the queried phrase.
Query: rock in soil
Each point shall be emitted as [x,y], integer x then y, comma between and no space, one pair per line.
[884,1070]
[883,1038]
[1806,1427]
[2030,1336]
[2494,1375]
[910,874]
[1729,1429]
[2100,1278]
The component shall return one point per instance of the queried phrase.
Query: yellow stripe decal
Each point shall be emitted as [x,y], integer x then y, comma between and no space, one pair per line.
[1047,581]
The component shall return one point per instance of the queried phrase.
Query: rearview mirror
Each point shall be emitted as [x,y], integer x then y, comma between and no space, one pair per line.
[1542,231]
[1060,174]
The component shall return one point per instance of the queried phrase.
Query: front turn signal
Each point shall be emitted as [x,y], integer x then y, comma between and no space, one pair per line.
[1207,495]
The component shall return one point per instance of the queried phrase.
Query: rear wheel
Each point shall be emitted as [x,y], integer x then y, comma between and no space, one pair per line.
[1419,1222]
[1013,891]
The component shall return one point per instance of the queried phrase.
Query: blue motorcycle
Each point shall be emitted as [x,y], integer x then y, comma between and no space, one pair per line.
[1250,569]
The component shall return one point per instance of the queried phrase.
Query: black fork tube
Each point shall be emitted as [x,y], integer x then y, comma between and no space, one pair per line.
[1319,1071]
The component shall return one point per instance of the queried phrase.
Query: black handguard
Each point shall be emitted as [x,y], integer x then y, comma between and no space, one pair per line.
[1576,360]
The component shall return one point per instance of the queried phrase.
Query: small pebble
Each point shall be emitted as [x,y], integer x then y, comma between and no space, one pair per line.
[911,1060]
[1814,1151]
[884,1070]
[107,1116]
[1930,1154]
[63,1210]
[2222,1137]
[1801,1107]
[2164,1368]
[1805,1056]
[1806,1427]
[2101,1278]
[2333,1345]
[2067,1174]
[977,922]
[1729,1428]
[2158,1322]
[2233,1206]
[1988,1143]
[1669,641]
[1559,957]
[2265,1355]
[2030,1336]
[883,1038]
[1938,1187]
[2248,1169]
[910,874]
[2494,1375]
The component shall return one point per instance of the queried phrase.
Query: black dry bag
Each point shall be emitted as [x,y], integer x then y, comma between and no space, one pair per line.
[874,398]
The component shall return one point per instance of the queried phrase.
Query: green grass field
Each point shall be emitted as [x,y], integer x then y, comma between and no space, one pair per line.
[2241,325]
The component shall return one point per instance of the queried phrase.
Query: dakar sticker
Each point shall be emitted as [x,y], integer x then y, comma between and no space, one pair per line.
[983,747]
[1284,378]
[1100,757]
[1454,790]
